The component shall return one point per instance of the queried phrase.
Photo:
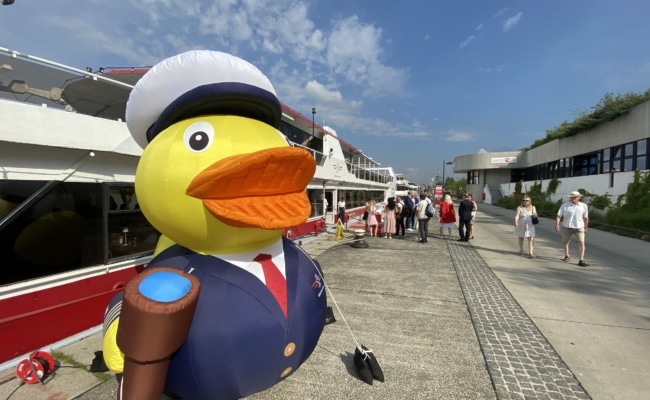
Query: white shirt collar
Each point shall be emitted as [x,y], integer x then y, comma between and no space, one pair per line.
[245,260]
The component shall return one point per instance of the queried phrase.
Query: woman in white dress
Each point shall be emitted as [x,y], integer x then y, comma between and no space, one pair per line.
[524,227]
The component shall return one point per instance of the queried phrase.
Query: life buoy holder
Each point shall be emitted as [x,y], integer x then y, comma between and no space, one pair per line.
[36,368]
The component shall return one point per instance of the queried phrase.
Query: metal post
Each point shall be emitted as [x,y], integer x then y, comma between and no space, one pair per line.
[443,173]
[443,170]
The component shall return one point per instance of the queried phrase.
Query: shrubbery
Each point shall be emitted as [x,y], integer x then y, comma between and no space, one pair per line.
[539,198]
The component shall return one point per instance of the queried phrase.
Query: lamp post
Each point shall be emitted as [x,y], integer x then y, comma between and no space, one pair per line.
[443,170]
[313,133]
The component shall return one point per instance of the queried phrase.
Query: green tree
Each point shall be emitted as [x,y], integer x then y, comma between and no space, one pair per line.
[449,181]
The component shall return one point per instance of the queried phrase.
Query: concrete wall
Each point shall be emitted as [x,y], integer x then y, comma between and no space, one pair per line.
[483,161]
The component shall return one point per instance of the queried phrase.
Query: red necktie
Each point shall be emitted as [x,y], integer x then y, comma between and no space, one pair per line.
[274,280]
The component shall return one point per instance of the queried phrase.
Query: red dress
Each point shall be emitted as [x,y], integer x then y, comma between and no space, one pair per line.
[447,213]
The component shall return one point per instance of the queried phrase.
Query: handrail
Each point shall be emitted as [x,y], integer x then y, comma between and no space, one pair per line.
[15,54]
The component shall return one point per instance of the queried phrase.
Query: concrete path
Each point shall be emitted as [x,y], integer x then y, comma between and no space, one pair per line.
[597,318]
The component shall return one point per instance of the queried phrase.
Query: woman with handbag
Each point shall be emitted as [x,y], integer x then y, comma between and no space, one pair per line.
[524,225]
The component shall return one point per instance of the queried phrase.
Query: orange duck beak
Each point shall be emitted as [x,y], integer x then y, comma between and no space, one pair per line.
[265,189]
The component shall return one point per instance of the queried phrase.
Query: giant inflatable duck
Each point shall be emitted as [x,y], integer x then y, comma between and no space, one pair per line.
[231,307]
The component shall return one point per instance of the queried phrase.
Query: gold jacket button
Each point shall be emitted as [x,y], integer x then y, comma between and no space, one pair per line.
[289,349]
[286,372]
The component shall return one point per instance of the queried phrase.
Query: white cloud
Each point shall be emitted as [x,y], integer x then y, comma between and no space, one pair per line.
[479,27]
[497,69]
[335,67]
[454,135]
[323,94]
[512,21]
[353,51]
[466,41]
[500,12]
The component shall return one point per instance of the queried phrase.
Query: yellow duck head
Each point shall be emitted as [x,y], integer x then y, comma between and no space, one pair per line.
[216,175]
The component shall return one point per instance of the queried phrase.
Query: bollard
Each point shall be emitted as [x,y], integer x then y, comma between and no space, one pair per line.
[359,239]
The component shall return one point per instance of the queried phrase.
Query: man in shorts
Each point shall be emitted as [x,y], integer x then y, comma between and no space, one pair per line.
[574,216]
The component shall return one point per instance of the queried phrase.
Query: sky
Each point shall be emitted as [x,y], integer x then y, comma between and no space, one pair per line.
[411,83]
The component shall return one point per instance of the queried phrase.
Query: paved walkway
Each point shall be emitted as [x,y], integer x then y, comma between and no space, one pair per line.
[448,320]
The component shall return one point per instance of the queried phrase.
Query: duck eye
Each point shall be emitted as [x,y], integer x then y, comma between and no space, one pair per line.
[198,136]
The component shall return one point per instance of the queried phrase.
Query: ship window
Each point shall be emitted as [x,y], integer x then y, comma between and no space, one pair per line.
[63,226]
[128,232]
[13,193]
[55,230]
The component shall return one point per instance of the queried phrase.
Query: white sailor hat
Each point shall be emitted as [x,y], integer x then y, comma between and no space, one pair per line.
[199,82]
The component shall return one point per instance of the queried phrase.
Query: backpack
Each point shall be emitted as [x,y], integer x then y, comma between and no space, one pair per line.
[430,211]
[406,211]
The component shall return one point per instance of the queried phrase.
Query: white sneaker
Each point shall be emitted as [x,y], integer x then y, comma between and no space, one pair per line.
[410,230]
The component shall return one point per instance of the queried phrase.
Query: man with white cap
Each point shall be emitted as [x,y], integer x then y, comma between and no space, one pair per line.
[574,217]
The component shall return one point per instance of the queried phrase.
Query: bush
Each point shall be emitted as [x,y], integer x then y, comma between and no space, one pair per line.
[601,202]
[511,203]
[545,208]
[629,219]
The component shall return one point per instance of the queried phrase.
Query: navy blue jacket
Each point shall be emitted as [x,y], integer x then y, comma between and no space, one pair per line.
[465,210]
[240,342]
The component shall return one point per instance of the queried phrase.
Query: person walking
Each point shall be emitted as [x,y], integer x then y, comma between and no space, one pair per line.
[423,220]
[399,216]
[389,221]
[414,221]
[471,222]
[464,218]
[524,227]
[366,215]
[409,209]
[574,217]
[372,217]
[446,216]
[341,206]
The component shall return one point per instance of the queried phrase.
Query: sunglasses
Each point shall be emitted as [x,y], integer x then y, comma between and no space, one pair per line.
[525,201]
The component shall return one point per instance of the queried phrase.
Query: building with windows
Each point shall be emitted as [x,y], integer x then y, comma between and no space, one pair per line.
[601,161]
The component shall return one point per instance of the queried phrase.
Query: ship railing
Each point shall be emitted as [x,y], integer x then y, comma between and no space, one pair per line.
[358,171]
[318,156]
[367,175]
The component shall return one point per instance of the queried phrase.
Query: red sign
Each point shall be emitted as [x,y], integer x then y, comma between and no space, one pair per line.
[438,194]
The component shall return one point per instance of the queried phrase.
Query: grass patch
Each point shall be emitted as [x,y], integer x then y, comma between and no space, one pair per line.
[64,358]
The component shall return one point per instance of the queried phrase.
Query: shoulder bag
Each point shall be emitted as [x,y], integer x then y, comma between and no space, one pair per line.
[534,218]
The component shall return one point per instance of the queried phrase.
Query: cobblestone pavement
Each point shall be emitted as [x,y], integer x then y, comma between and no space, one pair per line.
[520,361]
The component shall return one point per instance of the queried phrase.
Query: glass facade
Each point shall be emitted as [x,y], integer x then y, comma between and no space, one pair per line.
[625,157]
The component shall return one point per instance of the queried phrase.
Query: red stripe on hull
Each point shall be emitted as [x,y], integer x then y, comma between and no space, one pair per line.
[33,320]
